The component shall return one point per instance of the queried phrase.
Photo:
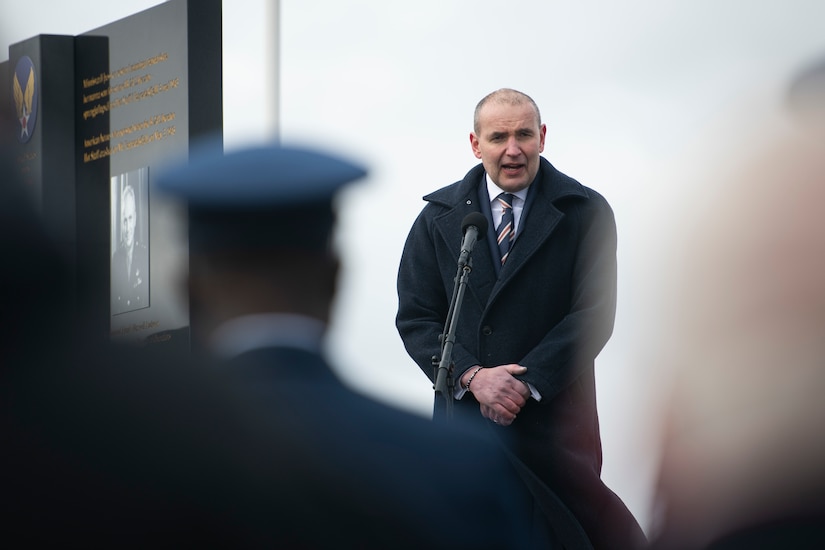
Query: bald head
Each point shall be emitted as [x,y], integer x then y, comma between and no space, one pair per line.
[505,96]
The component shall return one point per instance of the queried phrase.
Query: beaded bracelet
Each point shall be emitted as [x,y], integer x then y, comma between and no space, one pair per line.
[470,379]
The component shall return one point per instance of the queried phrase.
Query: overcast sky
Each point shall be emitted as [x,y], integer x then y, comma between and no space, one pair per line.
[635,94]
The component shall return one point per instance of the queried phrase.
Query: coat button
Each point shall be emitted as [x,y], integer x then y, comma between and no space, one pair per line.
[486,330]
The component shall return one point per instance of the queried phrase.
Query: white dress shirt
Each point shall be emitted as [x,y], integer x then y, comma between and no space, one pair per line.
[493,191]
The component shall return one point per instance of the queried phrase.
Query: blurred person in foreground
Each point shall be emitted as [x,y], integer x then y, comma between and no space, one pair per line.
[262,280]
[539,308]
[743,453]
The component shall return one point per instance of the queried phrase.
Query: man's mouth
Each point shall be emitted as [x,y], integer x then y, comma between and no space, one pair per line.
[512,167]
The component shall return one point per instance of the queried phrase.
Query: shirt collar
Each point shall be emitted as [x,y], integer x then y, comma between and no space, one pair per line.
[264,330]
[494,190]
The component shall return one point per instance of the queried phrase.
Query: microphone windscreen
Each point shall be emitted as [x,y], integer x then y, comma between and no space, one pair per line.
[477,219]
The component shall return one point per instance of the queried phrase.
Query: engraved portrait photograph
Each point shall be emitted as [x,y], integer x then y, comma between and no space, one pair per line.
[129,273]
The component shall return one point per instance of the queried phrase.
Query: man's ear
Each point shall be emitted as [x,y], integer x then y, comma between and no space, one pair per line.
[542,137]
[474,145]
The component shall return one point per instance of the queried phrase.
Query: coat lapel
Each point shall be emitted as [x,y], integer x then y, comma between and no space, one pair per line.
[538,221]
[448,227]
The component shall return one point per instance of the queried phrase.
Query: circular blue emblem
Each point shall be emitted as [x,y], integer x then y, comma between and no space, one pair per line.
[24,92]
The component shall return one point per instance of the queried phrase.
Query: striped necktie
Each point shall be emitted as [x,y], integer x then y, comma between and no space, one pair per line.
[506,229]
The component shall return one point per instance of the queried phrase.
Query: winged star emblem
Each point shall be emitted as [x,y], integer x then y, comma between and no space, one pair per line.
[23,102]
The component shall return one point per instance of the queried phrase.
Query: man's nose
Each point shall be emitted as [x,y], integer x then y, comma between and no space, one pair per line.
[512,147]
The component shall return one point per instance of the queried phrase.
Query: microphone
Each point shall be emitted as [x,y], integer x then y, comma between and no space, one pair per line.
[473,225]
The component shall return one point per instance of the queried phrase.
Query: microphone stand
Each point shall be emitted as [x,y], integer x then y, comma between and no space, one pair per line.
[444,383]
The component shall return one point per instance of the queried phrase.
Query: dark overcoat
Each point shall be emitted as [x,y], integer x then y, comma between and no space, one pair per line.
[550,308]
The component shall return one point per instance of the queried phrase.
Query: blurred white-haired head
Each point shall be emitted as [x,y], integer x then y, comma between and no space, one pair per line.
[743,443]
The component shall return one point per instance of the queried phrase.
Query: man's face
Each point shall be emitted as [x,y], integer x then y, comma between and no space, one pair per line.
[127,220]
[508,143]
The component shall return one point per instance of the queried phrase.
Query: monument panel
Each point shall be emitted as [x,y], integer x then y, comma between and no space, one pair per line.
[40,72]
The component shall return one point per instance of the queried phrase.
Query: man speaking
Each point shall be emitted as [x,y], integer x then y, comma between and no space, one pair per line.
[538,310]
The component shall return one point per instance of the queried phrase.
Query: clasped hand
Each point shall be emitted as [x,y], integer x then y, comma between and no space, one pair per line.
[500,394]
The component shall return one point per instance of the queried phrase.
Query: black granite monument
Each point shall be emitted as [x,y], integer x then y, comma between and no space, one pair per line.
[96,115]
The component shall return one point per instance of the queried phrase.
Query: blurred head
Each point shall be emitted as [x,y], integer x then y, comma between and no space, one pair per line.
[508,137]
[228,283]
[260,227]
